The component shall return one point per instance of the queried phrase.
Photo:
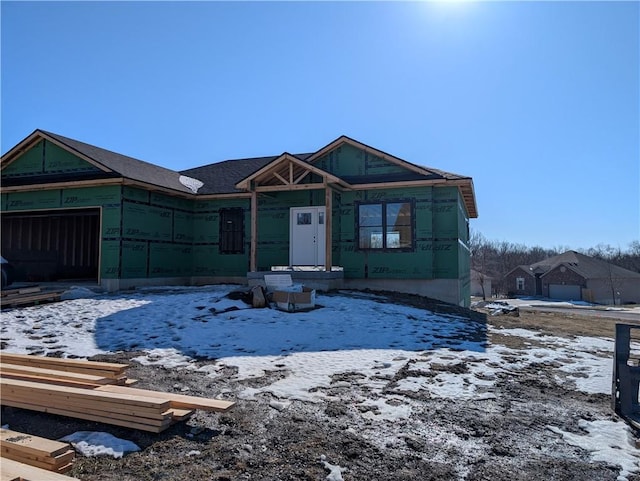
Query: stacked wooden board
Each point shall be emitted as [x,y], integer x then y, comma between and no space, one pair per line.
[125,410]
[36,451]
[95,391]
[27,295]
[11,470]
[69,372]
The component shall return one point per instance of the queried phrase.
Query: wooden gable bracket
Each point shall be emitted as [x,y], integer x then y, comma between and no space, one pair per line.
[287,173]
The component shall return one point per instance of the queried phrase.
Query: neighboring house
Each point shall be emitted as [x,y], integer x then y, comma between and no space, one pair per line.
[574,276]
[71,210]
[480,284]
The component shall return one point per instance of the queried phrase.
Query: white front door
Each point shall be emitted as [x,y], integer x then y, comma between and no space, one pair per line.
[307,236]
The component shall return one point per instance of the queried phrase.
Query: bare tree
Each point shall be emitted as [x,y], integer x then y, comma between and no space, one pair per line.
[615,284]
[480,258]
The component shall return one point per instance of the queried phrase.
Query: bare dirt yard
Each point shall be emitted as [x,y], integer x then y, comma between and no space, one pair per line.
[512,431]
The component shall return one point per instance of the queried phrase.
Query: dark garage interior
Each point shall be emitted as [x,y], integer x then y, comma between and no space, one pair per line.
[45,246]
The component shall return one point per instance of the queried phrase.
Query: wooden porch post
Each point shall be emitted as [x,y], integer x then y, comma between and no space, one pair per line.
[328,201]
[254,231]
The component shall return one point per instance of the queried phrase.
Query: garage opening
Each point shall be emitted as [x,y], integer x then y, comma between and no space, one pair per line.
[52,245]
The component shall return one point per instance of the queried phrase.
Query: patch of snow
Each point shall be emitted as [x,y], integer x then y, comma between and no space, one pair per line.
[279,405]
[77,293]
[168,358]
[96,443]
[607,441]
[191,183]
[389,409]
[335,471]
[310,374]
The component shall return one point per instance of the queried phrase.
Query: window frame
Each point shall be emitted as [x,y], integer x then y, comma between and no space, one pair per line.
[520,284]
[232,214]
[385,231]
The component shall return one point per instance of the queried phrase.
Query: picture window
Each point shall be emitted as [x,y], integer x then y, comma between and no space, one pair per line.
[386,225]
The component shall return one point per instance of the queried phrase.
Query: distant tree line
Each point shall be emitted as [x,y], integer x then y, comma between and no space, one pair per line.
[493,259]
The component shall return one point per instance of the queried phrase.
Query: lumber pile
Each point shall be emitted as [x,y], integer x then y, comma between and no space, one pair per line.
[27,295]
[70,372]
[94,391]
[36,451]
[122,410]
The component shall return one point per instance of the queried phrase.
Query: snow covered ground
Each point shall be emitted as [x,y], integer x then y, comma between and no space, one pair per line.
[353,342]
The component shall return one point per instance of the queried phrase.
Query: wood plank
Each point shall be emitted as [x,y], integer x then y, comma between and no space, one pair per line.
[176,400]
[13,301]
[10,386]
[60,464]
[181,414]
[92,407]
[45,462]
[44,373]
[79,411]
[14,470]
[19,291]
[63,364]
[58,382]
[328,216]
[32,444]
[139,423]
[95,372]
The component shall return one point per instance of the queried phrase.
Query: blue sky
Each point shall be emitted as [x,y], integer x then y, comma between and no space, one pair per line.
[537,101]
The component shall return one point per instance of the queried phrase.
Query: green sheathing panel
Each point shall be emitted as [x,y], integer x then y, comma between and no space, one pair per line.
[464,254]
[29,163]
[157,235]
[169,260]
[345,251]
[146,222]
[91,196]
[207,259]
[110,259]
[137,195]
[134,259]
[435,219]
[347,160]
[37,200]
[57,160]
[46,158]
[445,232]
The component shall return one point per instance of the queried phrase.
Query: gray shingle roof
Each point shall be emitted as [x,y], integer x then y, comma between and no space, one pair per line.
[587,267]
[218,177]
[128,167]
[221,177]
